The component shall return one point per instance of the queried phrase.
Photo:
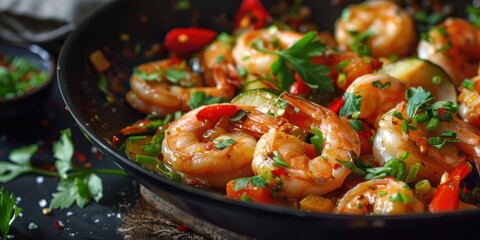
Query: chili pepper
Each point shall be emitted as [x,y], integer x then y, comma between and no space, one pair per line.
[216,112]
[188,40]
[253,193]
[446,197]
[299,87]
[336,104]
[251,11]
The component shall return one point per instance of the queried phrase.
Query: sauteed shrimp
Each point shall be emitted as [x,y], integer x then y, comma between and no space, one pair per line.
[331,128]
[455,46]
[389,28]
[159,97]
[379,93]
[469,101]
[306,175]
[379,197]
[391,141]
[193,144]
[254,61]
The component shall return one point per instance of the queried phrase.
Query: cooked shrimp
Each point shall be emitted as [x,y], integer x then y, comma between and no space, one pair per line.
[379,94]
[454,45]
[379,197]
[305,175]
[469,102]
[189,146]
[391,141]
[254,61]
[160,97]
[390,29]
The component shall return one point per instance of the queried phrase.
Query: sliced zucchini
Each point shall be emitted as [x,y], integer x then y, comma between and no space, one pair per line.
[416,72]
[264,99]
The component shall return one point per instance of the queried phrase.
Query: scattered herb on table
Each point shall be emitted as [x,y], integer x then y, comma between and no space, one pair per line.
[76,185]
[8,211]
[18,76]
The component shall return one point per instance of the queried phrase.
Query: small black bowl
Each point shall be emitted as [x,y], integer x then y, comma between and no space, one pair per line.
[31,102]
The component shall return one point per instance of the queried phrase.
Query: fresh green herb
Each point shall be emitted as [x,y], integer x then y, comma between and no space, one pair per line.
[172,175]
[175,75]
[468,84]
[378,84]
[239,115]
[225,38]
[223,143]
[155,76]
[342,64]
[317,139]
[357,167]
[102,84]
[149,160]
[412,174]
[299,57]
[18,76]
[417,97]
[401,197]
[393,167]
[199,98]
[256,181]
[75,185]
[351,107]
[137,138]
[436,80]
[425,22]
[382,193]
[356,124]
[154,147]
[182,4]
[9,211]
[278,161]
[473,14]
[359,42]
[245,198]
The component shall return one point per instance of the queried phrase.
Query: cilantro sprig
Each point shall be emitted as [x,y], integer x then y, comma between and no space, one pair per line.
[76,185]
[9,211]
[298,57]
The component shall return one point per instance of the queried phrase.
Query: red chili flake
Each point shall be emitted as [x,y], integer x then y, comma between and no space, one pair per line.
[81,157]
[58,224]
[182,228]
[209,146]
[115,139]
[441,112]
[279,172]
[337,165]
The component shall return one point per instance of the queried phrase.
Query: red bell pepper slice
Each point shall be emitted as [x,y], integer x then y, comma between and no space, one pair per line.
[254,10]
[299,87]
[446,197]
[216,112]
[188,40]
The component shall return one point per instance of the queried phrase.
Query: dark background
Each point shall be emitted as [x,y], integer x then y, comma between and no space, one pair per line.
[94,221]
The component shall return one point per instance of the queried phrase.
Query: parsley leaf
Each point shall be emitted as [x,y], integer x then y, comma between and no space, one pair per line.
[9,211]
[20,163]
[63,153]
[223,143]
[200,98]
[317,139]
[299,57]
[417,97]
[351,107]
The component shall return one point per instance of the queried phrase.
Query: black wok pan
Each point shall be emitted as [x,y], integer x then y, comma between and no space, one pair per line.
[146,22]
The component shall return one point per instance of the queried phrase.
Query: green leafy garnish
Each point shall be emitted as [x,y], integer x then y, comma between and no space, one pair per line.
[76,185]
[468,84]
[401,197]
[474,14]
[256,181]
[223,143]
[378,84]
[298,56]
[278,161]
[155,76]
[351,107]
[9,211]
[199,98]
[359,42]
[174,176]
[417,97]
[317,139]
